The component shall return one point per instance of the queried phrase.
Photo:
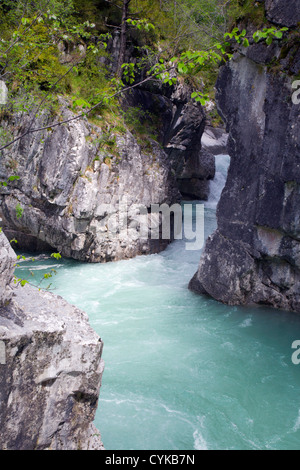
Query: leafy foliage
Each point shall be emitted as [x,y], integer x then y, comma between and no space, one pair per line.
[268,34]
[19,211]
[9,179]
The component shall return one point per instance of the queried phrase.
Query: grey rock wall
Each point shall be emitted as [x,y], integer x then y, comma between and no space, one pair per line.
[72,185]
[75,177]
[50,369]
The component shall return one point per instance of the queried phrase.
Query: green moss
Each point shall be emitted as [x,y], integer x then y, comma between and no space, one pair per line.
[247,11]
[143,124]
[215,118]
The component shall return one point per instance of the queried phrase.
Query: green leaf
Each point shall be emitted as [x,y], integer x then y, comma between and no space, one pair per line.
[13,178]
[256,37]
[57,256]
[47,276]
[182,68]
[269,40]
[278,34]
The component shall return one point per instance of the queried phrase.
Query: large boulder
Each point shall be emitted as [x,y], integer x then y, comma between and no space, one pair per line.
[51,369]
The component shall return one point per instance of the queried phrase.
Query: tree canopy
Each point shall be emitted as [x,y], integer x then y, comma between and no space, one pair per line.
[91,51]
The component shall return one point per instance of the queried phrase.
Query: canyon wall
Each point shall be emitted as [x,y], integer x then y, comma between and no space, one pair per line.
[81,185]
[254,255]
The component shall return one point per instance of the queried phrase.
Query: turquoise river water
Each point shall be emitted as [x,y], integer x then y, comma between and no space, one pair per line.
[184,372]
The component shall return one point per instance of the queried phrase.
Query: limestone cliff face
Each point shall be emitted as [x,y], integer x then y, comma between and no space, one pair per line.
[253,257]
[72,185]
[79,183]
[51,373]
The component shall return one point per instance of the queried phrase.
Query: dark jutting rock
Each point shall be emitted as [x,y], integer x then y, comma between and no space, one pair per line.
[214,140]
[181,122]
[283,13]
[254,255]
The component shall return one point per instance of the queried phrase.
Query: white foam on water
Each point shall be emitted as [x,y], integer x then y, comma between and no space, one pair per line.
[218,183]
[297,423]
[169,410]
[199,441]
[229,346]
[246,323]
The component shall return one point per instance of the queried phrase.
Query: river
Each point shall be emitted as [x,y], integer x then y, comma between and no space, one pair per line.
[184,372]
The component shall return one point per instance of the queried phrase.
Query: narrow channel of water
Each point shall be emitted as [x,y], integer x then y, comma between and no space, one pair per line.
[184,372]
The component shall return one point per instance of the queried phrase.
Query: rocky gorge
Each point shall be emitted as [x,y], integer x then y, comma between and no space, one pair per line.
[73,180]
[49,343]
